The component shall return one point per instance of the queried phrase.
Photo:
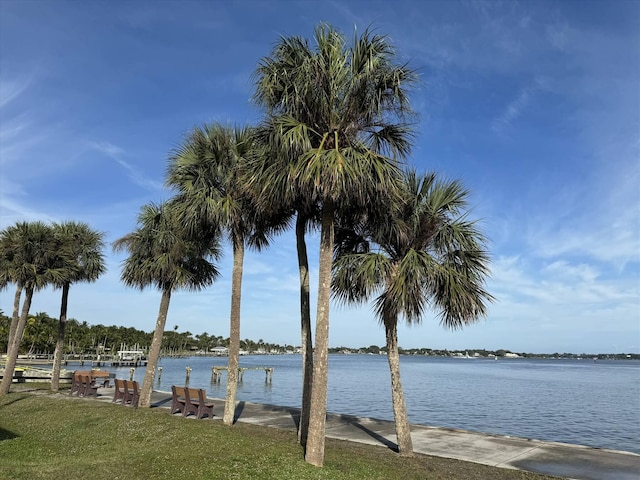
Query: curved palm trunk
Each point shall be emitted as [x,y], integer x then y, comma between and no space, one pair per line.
[403,429]
[57,355]
[15,315]
[234,331]
[154,350]
[305,330]
[314,452]
[12,355]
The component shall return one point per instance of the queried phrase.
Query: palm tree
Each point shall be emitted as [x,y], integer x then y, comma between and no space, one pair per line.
[270,182]
[164,254]
[10,267]
[340,111]
[28,251]
[424,252]
[81,258]
[207,172]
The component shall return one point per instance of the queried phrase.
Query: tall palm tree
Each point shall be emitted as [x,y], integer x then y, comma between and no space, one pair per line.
[341,110]
[424,252]
[206,170]
[268,176]
[80,255]
[28,252]
[162,253]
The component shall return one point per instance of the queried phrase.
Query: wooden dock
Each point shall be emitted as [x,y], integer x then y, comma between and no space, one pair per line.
[216,373]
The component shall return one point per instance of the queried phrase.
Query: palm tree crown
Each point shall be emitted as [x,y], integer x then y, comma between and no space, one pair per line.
[337,112]
[423,253]
[80,251]
[164,255]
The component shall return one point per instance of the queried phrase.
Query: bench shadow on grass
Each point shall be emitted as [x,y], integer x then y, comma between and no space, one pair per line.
[6,434]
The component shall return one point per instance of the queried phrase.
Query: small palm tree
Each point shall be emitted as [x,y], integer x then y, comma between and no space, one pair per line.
[207,173]
[28,255]
[336,115]
[165,255]
[10,268]
[424,252]
[80,256]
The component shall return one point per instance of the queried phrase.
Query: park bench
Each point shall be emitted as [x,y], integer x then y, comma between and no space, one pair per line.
[118,393]
[97,378]
[131,393]
[190,400]
[88,387]
[177,400]
[88,381]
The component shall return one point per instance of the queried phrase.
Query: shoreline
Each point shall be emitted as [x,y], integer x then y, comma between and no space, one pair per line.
[579,462]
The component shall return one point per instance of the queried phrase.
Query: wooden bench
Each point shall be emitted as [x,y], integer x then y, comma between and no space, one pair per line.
[178,400]
[190,400]
[88,387]
[131,393]
[98,378]
[118,393]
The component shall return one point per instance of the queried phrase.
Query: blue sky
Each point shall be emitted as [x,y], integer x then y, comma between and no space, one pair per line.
[535,106]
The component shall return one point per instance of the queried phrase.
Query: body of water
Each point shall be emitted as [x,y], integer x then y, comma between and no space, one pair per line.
[572,401]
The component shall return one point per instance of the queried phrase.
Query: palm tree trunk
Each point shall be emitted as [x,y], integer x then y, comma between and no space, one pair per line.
[14,316]
[12,354]
[305,330]
[403,429]
[314,452]
[57,356]
[234,331]
[154,350]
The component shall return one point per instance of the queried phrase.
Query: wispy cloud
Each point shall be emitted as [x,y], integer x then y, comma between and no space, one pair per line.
[11,89]
[504,121]
[116,153]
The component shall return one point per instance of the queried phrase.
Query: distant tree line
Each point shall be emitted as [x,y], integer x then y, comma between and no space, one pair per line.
[39,338]
[481,352]
[82,338]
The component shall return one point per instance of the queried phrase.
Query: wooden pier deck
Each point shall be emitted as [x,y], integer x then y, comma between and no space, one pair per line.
[216,373]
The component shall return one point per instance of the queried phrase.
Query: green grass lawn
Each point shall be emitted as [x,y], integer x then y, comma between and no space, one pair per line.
[45,436]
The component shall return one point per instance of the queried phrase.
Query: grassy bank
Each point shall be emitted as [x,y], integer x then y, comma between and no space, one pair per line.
[45,436]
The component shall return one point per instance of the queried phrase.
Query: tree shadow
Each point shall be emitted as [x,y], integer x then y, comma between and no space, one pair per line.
[386,442]
[295,416]
[16,399]
[356,422]
[238,411]
[161,402]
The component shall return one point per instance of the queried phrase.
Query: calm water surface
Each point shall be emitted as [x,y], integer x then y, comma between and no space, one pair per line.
[573,401]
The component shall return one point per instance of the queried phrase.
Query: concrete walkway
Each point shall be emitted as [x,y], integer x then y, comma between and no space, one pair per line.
[551,458]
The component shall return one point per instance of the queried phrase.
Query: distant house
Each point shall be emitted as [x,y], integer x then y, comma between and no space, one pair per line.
[219,351]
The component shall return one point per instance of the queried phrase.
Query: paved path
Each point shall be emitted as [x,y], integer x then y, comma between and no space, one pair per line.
[551,458]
